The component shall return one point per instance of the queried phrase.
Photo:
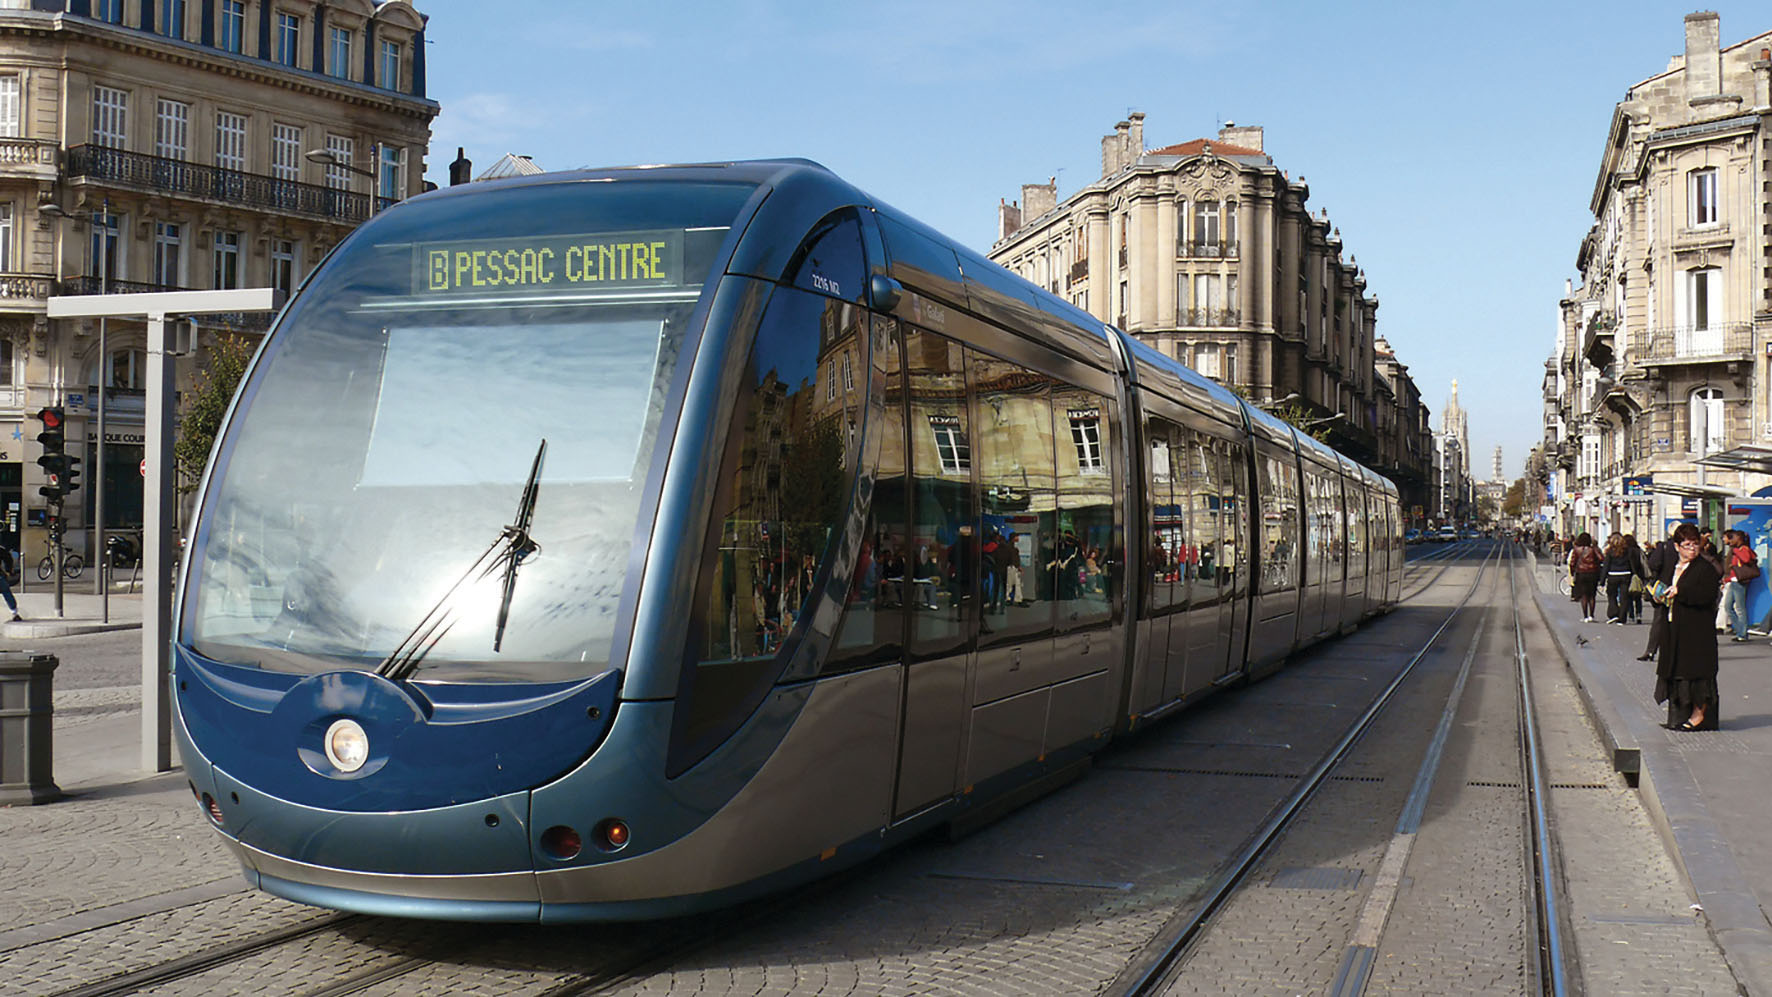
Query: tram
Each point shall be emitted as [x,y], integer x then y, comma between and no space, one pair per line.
[622,543]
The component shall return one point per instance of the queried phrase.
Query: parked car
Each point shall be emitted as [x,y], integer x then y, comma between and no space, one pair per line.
[1447,534]
[1412,536]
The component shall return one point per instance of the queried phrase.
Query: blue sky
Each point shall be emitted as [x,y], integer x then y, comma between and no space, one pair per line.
[1454,146]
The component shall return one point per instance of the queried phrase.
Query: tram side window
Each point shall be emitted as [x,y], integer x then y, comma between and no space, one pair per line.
[1279,519]
[1207,493]
[1012,424]
[786,478]
[942,551]
[1085,561]
[830,261]
[880,586]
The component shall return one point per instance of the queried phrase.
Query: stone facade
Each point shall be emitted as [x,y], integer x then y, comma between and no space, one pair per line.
[1662,350]
[141,155]
[1206,251]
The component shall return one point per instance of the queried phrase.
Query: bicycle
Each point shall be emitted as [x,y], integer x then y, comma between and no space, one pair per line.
[73,565]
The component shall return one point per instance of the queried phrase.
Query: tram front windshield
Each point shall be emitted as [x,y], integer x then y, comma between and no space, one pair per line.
[385,441]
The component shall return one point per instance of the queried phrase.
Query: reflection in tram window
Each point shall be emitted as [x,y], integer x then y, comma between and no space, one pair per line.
[1168,557]
[787,479]
[1206,486]
[1279,526]
[1013,429]
[942,551]
[1085,558]
[880,586]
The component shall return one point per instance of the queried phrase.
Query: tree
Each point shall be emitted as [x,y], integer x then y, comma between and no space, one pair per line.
[205,406]
[1515,502]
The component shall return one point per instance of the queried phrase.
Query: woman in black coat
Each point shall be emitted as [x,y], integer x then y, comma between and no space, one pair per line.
[1686,676]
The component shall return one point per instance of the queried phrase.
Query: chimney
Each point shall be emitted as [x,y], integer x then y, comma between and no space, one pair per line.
[1039,198]
[460,171]
[1704,74]
[1136,148]
[1247,136]
[1113,149]
[1008,219]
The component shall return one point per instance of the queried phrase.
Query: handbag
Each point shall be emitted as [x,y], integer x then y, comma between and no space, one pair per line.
[1636,584]
[1745,573]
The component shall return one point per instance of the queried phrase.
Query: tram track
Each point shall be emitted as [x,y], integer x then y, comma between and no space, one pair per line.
[1546,968]
[1154,967]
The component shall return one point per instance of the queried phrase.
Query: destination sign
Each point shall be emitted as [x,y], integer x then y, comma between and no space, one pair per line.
[604,260]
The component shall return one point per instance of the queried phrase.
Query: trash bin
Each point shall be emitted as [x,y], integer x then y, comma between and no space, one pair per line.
[27,734]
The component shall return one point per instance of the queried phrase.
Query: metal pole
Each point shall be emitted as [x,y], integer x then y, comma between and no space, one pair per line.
[101,557]
[157,554]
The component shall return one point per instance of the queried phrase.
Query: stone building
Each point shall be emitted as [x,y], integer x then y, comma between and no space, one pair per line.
[1206,251]
[165,144]
[1662,351]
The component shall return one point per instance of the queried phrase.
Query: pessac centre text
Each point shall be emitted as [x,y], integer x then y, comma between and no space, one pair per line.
[509,265]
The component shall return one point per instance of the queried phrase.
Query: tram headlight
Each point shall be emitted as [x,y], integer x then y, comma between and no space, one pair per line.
[347,746]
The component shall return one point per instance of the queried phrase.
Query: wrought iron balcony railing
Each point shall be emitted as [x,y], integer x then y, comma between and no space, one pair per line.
[254,190]
[1212,249]
[1683,344]
[1215,318]
[1079,270]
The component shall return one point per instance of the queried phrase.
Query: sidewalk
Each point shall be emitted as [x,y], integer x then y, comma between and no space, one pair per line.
[1708,792]
[82,612]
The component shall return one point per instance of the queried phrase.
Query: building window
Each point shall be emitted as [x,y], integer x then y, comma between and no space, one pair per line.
[343,150]
[951,446]
[283,265]
[1206,226]
[1709,426]
[233,25]
[285,152]
[129,369]
[6,237]
[171,129]
[341,54]
[5,361]
[848,375]
[105,248]
[390,65]
[172,18]
[288,39]
[1230,365]
[110,117]
[1230,223]
[227,260]
[391,171]
[1701,197]
[1703,287]
[108,10]
[168,253]
[10,120]
[230,141]
[1206,359]
[1086,437]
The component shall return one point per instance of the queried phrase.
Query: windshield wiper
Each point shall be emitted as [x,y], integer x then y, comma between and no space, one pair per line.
[520,543]
[513,546]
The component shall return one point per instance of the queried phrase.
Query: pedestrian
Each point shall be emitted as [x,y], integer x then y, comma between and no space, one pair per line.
[1686,676]
[1740,567]
[1586,565]
[1633,596]
[1619,572]
[1661,561]
[8,573]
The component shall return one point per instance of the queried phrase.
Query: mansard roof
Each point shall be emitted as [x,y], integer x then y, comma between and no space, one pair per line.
[1198,146]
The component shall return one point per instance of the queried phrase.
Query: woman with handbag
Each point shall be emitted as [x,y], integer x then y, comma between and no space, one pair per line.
[1742,568]
[1639,579]
[1619,572]
[1586,565]
[1686,676]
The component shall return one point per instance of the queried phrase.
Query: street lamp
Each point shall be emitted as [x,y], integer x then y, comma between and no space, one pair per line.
[326,157]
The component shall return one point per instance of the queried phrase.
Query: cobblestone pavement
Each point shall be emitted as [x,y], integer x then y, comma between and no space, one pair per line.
[1054,899]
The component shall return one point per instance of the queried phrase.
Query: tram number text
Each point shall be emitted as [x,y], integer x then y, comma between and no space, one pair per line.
[822,283]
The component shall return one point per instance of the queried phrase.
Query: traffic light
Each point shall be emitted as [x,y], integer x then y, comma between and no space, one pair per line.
[54,461]
[70,473]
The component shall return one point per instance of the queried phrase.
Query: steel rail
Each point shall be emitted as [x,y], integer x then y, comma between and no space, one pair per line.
[1163,953]
[200,962]
[1553,978]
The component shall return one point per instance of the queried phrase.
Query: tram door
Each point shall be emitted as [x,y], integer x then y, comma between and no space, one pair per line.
[939,555]
[1237,538]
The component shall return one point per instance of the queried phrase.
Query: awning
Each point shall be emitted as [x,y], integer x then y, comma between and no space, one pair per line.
[1748,458]
[1691,491]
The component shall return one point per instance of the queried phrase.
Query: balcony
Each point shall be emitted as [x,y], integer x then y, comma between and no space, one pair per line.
[28,158]
[1685,345]
[1122,257]
[1209,249]
[155,174]
[1079,270]
[234,321]
[25,288]
[1207,318]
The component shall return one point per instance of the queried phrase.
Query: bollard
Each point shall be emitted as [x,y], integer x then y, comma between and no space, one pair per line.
[27,734]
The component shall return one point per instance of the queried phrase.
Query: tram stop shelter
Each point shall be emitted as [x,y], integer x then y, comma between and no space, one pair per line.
[161,309]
